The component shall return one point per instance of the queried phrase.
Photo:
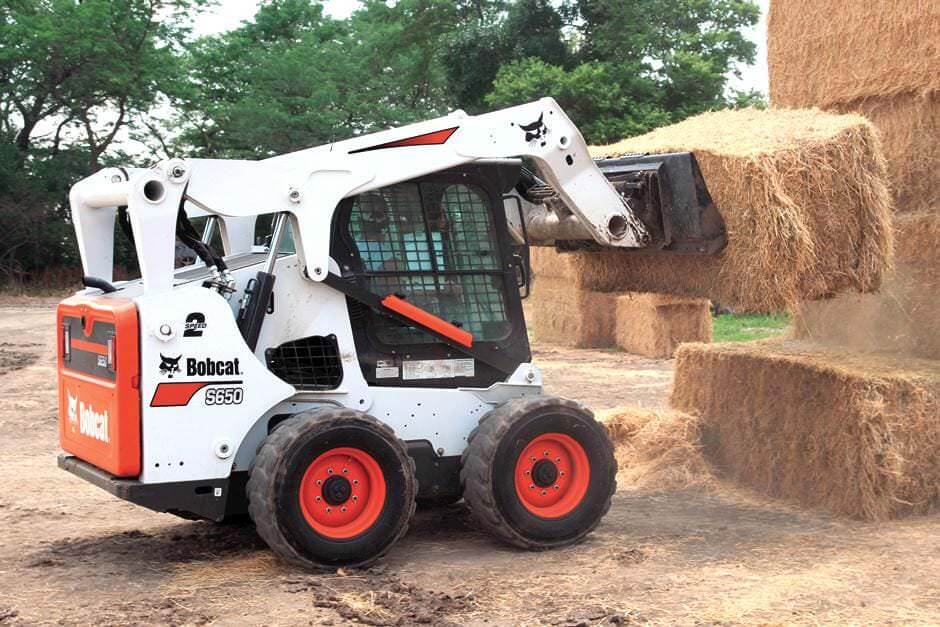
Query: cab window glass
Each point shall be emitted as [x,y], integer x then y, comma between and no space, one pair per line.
[435,244]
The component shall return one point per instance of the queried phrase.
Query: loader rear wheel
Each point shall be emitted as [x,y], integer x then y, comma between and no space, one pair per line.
[332,487]
[539,472]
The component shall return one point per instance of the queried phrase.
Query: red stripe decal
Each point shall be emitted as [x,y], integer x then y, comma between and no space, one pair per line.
[428,320]
[434,138]
[176,394]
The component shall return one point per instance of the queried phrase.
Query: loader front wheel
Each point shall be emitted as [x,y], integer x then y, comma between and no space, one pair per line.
[332,487]
[539,472]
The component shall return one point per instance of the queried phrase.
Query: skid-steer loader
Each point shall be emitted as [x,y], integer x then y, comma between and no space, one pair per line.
[371,351]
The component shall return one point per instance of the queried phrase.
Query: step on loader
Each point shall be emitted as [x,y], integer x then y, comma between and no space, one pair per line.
[350,340]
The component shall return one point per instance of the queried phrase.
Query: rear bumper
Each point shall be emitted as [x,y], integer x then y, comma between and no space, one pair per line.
[211,499]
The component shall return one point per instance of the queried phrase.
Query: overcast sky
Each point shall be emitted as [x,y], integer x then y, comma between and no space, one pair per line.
[230,13]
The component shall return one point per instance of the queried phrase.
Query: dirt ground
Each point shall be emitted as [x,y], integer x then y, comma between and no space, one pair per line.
[72,554]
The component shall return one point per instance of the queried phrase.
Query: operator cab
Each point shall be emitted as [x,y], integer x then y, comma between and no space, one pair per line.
[440,243]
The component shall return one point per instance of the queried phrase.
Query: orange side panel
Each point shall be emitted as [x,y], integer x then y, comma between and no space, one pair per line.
[428,320]
[99,401]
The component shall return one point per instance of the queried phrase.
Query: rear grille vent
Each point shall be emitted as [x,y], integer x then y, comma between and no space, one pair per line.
[311,362]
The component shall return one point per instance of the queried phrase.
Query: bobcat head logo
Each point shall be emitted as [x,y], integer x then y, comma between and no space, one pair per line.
[169,365]
[535,131]
[72,408]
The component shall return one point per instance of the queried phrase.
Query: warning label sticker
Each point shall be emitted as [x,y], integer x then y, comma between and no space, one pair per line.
[386,369]
[437,369]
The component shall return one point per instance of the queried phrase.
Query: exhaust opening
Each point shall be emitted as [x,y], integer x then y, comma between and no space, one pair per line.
[153,191]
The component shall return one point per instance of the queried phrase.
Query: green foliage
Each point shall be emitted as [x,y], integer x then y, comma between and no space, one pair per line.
[279,84]
[642,63]
[748,327]
[605,107]
[76,76]
[72,75]
[475,53]
[750,98]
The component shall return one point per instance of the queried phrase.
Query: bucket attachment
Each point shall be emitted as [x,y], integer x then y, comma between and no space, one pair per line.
[667,192]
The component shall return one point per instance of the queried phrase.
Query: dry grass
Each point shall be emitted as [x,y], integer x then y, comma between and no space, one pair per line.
[654,325]
[657,449]
[857,434]
[803,197]
[903,316]
[567,316]
[840,51]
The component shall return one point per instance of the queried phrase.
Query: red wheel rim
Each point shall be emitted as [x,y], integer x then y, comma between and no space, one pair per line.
[342,493]
[552,475]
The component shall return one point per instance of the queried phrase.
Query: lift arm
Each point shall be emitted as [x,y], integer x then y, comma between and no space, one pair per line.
[309,184]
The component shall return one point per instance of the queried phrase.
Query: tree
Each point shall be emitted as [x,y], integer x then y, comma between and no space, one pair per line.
[87,65]
[73,74]
[641,63]
[685,46]
[475,52]
[605,107]
[310,79]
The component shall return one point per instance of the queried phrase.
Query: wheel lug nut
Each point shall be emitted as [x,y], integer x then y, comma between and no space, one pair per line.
[355,482]
[329,471]
[544,492]
[527,473]
[318,499]
[319,482]
[533,459]
[355,498]
[562,473]
[342,509]
[345,471]
[556,486]
[546,453]
[531,486]
[328,510]
[557,460]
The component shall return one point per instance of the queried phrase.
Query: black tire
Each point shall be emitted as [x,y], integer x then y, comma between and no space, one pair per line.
[489,469]
[284,519]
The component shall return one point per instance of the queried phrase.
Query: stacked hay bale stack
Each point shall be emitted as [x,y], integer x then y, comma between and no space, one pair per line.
[803,199]
[896,84]
[879,59]
[814,419]
[566,311]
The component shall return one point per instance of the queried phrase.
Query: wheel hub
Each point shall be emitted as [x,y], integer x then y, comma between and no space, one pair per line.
[544,473]
[552,475]
[336,490]
[342,492]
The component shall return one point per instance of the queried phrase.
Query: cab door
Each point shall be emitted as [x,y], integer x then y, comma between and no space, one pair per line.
[441,242]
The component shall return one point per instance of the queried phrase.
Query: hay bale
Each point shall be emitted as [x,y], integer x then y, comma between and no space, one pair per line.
[803,197]
[567,316]
[654,325]
[657,449]
[902,317]
[909,127]
[857,434]
[821,54]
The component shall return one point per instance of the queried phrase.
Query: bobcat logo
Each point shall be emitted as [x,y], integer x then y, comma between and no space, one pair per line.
[169,365]
[72,409]
[535,131]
